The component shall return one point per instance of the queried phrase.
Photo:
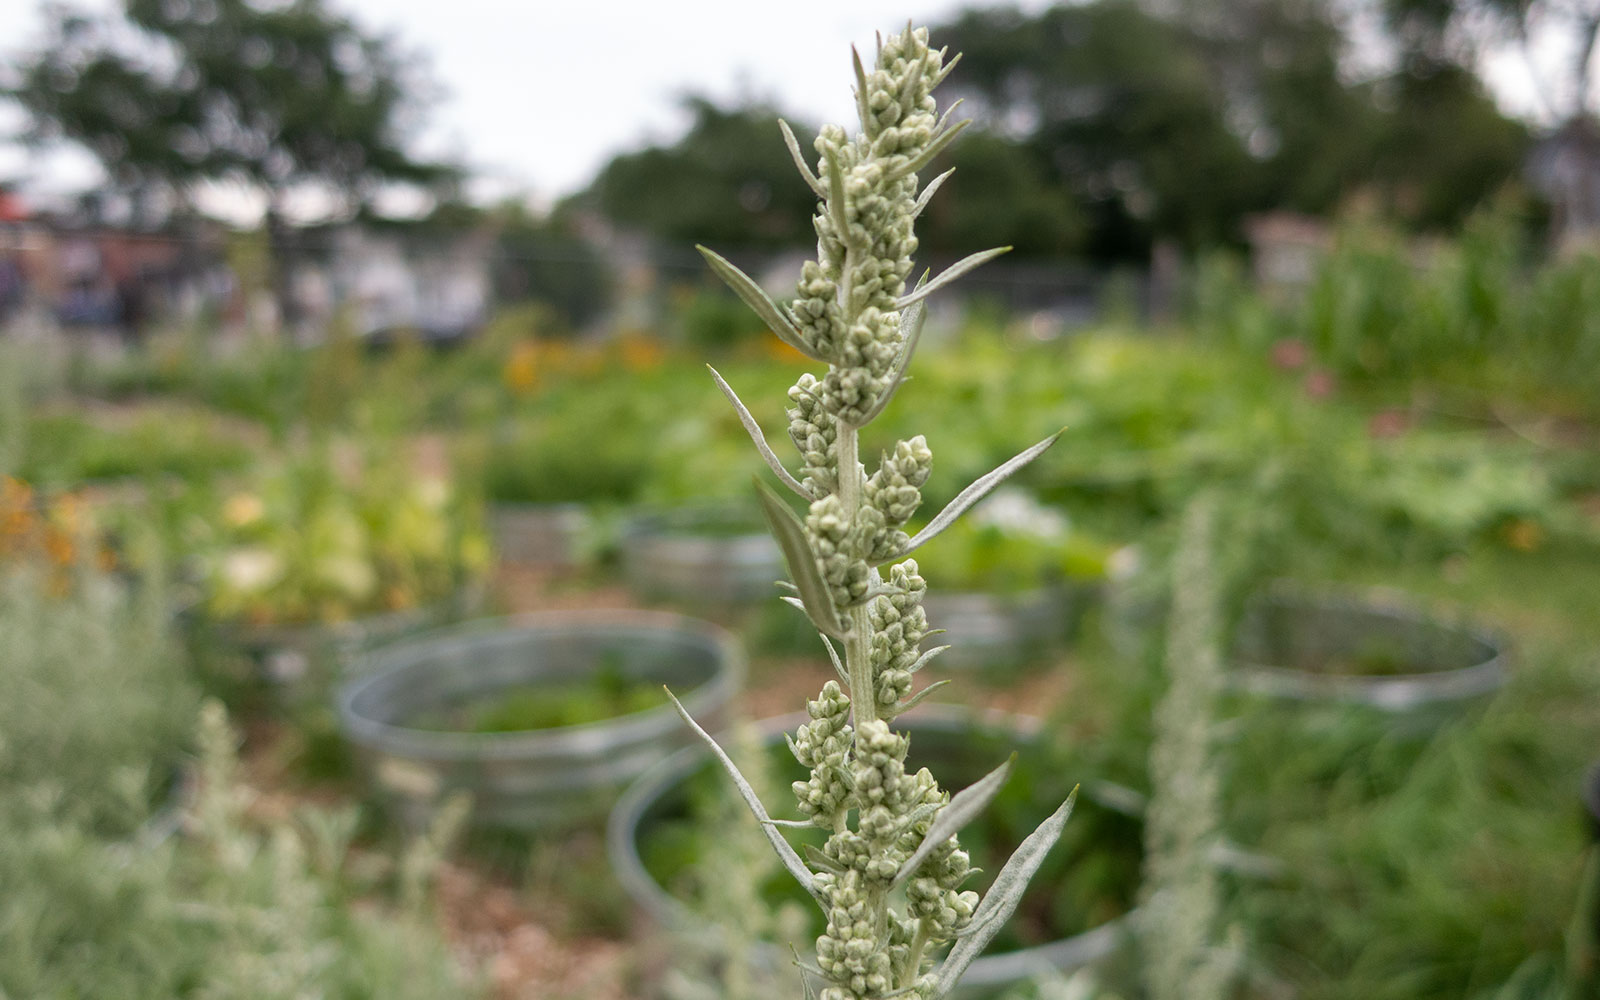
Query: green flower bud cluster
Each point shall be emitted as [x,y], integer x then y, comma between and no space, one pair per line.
[814,433]
[898,625]
[845,309]
[823,745]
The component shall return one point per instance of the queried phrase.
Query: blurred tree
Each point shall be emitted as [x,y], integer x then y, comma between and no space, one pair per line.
[728,181]
[281,97]
[1002,194]
[1437,32]
[1177,118]
[1446,148]
[1122,107]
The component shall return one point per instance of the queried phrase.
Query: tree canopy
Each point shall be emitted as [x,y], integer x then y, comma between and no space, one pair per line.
[169,92]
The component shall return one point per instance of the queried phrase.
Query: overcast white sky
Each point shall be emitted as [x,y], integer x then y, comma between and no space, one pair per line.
[539,94]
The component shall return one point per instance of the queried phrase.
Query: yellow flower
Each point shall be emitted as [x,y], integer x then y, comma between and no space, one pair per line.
[522,367]
[1524,535]
[243,509]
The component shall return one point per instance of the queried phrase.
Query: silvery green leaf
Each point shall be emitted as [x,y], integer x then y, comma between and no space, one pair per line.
[910,332]
[922,660]
[838,664]
[914,817]
[962,809]
[944,119]
[927,192]
[760,440]
[862,111]
[786,852]
[945,70]
[800,160]
[792,824]
[916,699]
[909,87]
[930,151]
[1001,900]
[950,274]
[971,495]
[757,300]
[836,210]
[820,860]
[815,598]
[879,588]
[809,969]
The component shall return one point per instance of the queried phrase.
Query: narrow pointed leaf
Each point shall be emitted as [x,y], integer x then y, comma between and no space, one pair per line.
[971,495]
[909,87]
[944,71]
[944,119]
[928,191]
[910,333]
[806,967]
[815,598]
[916,816]
[792,824]
[922,660]
[932,150]
[916,699]
[1001,900]
[760,439]
[862,111]
[757,300]
[951,273]
[800,159]
[879,588]
[838,664]
[819,860]
[962,809]
[786,852]
[836,210]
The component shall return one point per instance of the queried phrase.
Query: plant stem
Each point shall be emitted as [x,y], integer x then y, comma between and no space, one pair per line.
[863,699]
[908,975]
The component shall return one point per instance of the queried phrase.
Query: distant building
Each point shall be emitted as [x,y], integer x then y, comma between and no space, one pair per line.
[1286,249]
[1564,167]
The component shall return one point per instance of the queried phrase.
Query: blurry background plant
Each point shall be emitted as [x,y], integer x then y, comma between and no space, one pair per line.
[331,535]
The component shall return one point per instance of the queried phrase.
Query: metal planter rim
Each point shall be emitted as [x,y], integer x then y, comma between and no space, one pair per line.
[380,668]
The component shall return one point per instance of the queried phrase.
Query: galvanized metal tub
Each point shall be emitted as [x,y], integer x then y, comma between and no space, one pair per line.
[1298,645]
[936,733]
[998,630]
[537,778]
[707,556]
[542,536]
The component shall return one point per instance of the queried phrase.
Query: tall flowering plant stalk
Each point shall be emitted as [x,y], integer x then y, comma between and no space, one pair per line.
[890,875]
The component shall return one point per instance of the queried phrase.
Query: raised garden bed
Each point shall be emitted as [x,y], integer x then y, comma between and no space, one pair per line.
[512,711]
[709,556]
[538,535]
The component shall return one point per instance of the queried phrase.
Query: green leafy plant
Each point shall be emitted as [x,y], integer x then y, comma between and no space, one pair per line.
[98,707]
[311,541]
[890,884]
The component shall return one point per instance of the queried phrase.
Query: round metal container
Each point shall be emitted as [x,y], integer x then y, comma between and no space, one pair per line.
[707,556]
[537,778]
[992,630]
[543,536]
[1300,645]
[936,734]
